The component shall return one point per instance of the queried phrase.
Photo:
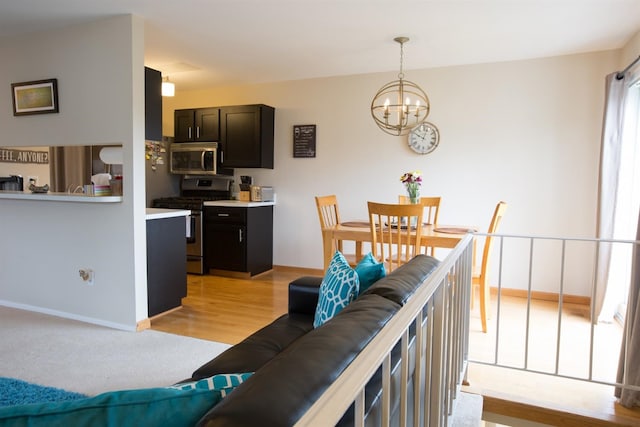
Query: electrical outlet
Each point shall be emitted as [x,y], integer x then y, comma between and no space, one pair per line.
[87,275]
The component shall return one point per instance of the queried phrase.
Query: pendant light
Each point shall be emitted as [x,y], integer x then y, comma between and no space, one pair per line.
[168,88]
[400,105]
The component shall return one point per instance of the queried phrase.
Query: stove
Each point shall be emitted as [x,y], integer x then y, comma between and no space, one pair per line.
[196,190]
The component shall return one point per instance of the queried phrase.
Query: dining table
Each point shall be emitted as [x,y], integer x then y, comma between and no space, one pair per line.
[438,236]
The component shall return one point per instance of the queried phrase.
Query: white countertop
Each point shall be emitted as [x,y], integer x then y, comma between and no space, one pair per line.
[157,213]
[59,197]
[238,203]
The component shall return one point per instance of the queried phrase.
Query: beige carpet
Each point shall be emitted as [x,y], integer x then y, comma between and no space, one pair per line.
[92,359]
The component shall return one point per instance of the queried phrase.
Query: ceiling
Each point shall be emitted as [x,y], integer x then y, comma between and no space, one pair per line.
[207,43]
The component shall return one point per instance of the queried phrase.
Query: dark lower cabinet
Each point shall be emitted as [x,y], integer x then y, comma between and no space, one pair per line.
[238,239]
[166,264]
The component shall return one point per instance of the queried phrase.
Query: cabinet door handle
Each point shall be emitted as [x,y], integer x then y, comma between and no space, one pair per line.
[221,157]
[240,235]
[198,132]
[189,132]
[223,214]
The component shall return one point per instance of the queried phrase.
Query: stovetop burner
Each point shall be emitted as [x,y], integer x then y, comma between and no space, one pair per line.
[195,190]
[185,202]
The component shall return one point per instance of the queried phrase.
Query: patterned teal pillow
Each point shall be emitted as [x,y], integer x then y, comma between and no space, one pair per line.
[224,383]
[369,271]
[338,288]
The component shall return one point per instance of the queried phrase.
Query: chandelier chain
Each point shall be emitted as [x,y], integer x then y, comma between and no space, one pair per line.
[401,73]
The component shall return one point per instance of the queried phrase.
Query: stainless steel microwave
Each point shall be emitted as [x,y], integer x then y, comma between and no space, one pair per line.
[193,158]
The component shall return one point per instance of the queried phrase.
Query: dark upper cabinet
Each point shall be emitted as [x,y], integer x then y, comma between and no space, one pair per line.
[246,136]
[199,124]
[152,104]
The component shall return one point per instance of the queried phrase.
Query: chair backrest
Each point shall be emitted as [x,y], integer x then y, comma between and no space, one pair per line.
[431,207]
[328,213]
[501,207]
[396,230]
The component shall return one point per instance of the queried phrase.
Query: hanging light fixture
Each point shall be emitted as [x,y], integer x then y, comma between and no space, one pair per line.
[168,88]
[400,105]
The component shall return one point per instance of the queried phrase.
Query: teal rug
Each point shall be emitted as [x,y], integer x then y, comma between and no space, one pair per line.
[15,392]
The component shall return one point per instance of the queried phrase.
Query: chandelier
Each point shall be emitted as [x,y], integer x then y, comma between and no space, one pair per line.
[400,105]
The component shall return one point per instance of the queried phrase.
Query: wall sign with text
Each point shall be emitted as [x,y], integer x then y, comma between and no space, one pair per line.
[8,155]
[304,140]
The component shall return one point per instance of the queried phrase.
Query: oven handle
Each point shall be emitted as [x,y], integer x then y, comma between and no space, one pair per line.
[195,216]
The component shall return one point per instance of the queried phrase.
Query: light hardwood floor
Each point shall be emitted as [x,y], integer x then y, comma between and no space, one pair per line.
[229,309]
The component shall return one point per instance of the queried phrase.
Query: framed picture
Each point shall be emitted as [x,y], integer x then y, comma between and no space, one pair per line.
[37,97]
[304,140]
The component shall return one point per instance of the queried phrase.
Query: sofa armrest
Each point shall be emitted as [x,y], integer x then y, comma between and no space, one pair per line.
[303,295]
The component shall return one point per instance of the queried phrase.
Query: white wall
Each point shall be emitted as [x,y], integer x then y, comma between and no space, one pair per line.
[526,132]
[100,72]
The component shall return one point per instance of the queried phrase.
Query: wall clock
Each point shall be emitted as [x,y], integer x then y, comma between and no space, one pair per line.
[424,138]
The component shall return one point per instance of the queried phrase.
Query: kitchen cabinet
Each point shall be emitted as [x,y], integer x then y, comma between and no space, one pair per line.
[239,239]
[166,263]
[152,104]
[199,124]
[246,136]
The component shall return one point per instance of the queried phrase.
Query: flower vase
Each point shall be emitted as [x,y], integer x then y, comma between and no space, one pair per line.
[413,191]
[414,198]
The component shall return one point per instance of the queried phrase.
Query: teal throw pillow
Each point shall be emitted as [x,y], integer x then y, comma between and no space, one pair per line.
[127,408]
[339,287]
[369,271]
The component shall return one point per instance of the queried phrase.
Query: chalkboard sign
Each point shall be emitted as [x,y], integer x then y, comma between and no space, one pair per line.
[304,140]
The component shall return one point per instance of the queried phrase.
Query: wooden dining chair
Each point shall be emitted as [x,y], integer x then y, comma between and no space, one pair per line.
[431,207]
[480,277]
[394,240]
[430,214]
[329,215]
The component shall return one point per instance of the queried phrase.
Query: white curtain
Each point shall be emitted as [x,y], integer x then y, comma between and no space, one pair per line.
[619,91]
[612,130]
[629,364]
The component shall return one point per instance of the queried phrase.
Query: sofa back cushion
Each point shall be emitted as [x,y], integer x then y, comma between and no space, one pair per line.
[258,348]
[405,280]
[283,389]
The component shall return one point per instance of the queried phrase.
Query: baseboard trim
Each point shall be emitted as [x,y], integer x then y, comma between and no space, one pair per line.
[143,324]
[544,296]
[301,270]
[66,315]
